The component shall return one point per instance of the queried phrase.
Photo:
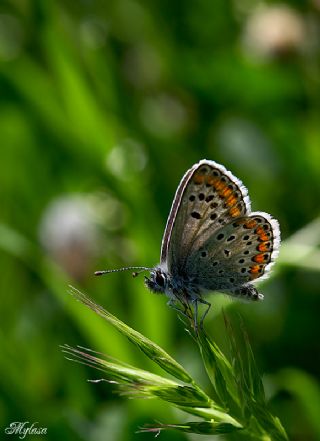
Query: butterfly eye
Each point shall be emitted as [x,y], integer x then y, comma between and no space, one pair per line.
[160,280]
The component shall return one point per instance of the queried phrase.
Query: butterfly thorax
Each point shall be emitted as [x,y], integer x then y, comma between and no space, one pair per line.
[162,282]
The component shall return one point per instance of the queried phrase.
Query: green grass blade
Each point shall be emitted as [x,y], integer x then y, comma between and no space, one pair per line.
[237,384]
[183,396]
[151,349]
[124,373]
[219,370]
[202,428]
[263,425]
[212,414]
[138,383]
[251,371]
[259,420]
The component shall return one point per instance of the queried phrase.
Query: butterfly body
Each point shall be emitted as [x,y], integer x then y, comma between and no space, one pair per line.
[187,288]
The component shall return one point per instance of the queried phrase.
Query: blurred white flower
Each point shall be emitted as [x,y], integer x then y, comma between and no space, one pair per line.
[71,230]
[274,31]
[68,233]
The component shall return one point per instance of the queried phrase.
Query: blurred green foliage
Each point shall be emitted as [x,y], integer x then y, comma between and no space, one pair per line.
[104,105]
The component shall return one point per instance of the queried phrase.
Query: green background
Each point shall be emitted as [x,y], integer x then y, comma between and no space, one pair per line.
[104,105]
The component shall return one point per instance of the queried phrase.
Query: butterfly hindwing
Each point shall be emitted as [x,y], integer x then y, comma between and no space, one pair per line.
[238,253]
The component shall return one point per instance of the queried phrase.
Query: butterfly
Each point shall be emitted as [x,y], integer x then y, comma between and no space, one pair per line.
[212,241]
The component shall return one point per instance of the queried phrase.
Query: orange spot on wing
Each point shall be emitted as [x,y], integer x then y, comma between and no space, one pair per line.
[250,224]
[259,258]
[211,180]
[199,179]
[234,212]
[232,200]
[262,234]
[219,185]
[255,271]
[226,192]
[263,247]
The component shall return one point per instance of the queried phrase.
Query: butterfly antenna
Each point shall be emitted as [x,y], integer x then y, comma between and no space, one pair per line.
[127,268]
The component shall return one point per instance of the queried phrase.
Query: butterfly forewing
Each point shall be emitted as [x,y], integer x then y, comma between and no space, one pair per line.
[206,200]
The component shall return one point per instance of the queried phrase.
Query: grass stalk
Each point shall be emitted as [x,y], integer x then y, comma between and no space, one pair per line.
[238,401]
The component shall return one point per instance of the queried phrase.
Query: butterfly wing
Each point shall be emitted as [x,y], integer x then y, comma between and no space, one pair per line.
[206,199]
[238,253]
[210,207]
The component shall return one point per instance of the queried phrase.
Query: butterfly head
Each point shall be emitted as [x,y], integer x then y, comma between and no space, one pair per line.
[158,281]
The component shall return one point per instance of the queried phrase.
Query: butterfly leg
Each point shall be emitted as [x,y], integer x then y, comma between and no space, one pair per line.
[195,322]
[204,302]
[172,305]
